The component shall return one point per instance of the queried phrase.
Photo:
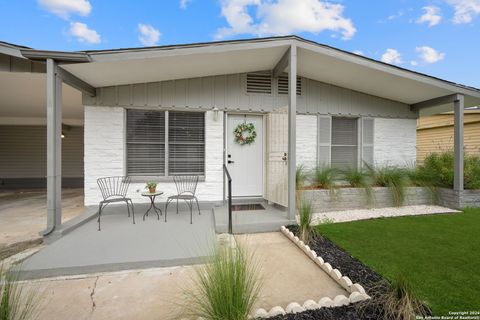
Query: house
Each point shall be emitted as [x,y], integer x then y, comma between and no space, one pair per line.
[435,133]
[152,113]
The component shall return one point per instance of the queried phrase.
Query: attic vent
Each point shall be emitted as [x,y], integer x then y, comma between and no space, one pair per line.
[259,83]
[283,85]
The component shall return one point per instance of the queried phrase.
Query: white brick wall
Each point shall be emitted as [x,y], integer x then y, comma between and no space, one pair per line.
[307,140]
[104,155]
[395,142]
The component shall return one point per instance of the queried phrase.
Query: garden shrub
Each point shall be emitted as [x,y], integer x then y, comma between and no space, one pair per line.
[439,168]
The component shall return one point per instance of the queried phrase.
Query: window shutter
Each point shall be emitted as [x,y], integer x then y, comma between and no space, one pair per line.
[145,143]
[186,143]
[344,152]
[324,140]
[368,127]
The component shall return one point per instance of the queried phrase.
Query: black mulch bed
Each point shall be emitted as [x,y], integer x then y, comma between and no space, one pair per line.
[345,263]
[348,266]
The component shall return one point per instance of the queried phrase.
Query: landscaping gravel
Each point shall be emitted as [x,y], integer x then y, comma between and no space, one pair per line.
[362,214]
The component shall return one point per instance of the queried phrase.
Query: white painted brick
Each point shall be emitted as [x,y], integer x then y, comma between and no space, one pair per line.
[105,152]
[395,142]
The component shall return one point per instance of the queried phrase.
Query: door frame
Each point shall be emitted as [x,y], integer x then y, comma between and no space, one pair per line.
[225,148]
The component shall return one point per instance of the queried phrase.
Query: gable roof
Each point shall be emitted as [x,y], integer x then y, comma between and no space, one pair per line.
[315,61]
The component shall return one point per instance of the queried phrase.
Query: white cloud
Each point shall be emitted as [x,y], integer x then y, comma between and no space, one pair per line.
[414,63]
[83,33]
[431,16]
[465,10]
[149,36]
[184,3]
[358,52]
[282,17]
[64,8]
[429,55]
[392,56]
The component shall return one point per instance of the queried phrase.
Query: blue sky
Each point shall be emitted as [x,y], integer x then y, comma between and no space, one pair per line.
[437,37]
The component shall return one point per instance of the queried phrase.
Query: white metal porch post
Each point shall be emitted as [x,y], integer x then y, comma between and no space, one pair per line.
[458,107]
[292,130]
[54,147]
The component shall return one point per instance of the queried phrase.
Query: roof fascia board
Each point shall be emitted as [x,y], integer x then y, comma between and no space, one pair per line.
[59,56]
[376,65]
[10,51]
[182,51]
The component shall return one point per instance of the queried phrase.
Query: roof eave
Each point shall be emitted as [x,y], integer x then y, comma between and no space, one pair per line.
[60,56]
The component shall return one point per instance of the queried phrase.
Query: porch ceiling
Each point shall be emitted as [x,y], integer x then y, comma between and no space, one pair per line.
[141,68]
[23,95]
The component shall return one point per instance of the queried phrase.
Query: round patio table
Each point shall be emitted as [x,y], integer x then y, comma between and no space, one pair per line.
[152,197]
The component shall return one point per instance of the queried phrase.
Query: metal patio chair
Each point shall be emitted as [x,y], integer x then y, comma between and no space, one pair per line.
[114,189]
[186,188]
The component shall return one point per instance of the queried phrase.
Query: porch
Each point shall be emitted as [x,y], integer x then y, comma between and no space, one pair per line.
[122,245]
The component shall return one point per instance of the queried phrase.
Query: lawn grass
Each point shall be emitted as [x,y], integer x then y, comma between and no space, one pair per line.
[439,254]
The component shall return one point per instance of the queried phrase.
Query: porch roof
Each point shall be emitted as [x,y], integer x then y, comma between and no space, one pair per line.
[315,61]
[101,68]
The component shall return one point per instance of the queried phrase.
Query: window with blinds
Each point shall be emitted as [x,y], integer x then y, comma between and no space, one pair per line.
[145,143]
[344,145]
[148,143]
[186,143]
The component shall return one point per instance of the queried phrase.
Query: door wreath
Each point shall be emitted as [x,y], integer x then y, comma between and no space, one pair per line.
[245,133]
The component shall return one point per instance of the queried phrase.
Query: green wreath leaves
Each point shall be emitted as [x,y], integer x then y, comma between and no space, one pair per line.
[241,129]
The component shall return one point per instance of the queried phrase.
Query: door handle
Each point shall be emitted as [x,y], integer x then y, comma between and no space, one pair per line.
[284,158]
[230,161]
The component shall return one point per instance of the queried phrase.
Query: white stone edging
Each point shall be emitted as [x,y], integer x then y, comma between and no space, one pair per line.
[357,292]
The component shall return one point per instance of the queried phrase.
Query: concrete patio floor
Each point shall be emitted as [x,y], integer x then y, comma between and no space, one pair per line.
[23,214]
[288,274]
[122,245]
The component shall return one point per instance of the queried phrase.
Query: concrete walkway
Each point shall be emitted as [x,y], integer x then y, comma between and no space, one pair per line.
[23,214]
[289,275]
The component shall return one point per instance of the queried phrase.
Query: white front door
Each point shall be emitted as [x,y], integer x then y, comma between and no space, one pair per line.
[245,162]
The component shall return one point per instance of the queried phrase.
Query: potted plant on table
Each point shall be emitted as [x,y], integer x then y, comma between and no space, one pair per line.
[151,186]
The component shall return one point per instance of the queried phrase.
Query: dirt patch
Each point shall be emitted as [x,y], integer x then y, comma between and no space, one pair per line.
[12,249]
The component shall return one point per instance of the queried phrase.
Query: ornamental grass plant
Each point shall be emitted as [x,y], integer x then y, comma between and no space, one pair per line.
[16,302]
[306,229]
[396,300]
[226,287]
[323,177]
[395,179]
[360,178]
